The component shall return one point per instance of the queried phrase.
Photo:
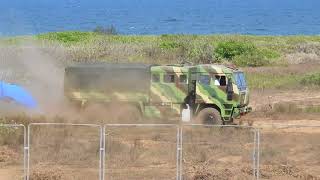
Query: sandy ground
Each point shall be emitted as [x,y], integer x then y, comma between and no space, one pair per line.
[286,152]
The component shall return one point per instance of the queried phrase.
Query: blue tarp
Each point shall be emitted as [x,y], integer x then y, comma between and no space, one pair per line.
[17,94]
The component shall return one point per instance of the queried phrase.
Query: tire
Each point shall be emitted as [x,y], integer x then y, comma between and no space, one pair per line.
[209,116]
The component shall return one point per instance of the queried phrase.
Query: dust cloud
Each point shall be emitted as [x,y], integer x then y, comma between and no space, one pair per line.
[40,70]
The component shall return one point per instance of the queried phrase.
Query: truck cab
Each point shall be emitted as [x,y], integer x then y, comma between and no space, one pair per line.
[220,91]
[216,94]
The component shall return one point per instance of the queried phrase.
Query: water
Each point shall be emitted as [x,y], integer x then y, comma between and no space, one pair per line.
[262,17]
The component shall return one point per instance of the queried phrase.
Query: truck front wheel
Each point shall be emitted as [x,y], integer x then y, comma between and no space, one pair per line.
[209,116]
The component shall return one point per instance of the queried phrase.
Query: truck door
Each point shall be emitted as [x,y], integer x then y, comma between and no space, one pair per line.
[168,91]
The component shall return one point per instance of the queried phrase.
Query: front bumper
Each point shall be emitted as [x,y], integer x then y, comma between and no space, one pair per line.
[241,111]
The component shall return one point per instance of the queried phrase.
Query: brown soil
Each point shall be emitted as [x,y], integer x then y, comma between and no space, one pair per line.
[150,153]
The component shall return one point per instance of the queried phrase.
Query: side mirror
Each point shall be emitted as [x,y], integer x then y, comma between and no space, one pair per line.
[229,90]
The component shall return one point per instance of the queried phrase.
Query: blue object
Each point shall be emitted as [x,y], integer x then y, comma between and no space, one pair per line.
[17,94]
[241,81]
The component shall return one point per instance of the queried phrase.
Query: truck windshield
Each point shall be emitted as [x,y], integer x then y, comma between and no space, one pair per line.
[240,80]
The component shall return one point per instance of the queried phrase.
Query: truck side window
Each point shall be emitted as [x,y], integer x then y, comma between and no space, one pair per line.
[223,81]
[155,78]
[220,80]
[168,78]
[183,79]
[204,79]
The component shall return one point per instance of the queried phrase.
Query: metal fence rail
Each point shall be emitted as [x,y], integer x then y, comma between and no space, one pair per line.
[148,130]
[96,129]
[261,142]
[204,133]
[24,147]
[290,151]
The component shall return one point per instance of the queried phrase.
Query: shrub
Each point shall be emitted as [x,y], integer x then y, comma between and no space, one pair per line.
[167,41]
[110,30]
[169,45]
[67,37]
[201,53]
[252,60]
[311,79]
[230,49]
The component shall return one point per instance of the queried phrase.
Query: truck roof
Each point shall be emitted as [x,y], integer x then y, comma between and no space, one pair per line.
[202,68]
[214,68]
[175,68]
[104,65]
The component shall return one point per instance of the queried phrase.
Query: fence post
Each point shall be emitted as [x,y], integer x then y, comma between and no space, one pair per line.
[101,144]
[102,153]
[25,147]
[179,153]
[28,150]
[254,154]
[25,154]
[181,150]
[258,154]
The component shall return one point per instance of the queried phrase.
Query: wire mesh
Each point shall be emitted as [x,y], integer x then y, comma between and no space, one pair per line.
[290,152]
[141,152]
[64,151]
[218,152]
[12,157]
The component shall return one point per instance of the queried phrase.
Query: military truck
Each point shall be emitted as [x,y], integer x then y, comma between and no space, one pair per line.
[215,94]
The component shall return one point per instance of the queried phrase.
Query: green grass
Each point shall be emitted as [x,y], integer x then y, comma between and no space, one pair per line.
[245,50]
[282,81]
[266,81]
[68,37]
[311,79]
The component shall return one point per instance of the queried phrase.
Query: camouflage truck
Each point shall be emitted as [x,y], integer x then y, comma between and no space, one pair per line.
[215,94]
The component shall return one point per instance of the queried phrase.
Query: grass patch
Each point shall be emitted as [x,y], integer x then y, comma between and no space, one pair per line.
[267,81]
[68,37]
[312,109]
[106,45]
[311,79]
[276,80]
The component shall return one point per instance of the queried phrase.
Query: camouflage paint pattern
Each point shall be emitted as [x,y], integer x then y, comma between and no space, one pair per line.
[168,92]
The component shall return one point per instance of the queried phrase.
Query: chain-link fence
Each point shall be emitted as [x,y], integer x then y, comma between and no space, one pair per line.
[12,153]
[219,152]
[290,152]
[158,151]
[141,151]
[64,151]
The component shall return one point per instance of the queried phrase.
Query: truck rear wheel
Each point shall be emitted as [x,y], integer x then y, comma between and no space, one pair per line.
[209,116]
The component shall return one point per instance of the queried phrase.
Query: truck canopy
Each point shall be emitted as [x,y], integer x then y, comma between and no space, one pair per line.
[108,77]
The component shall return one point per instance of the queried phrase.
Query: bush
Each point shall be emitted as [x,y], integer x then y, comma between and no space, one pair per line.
[311,79]
[111,30]
[168,42]
[230,49]
[169,45]
[252,60]
[67,37]
[201,53]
